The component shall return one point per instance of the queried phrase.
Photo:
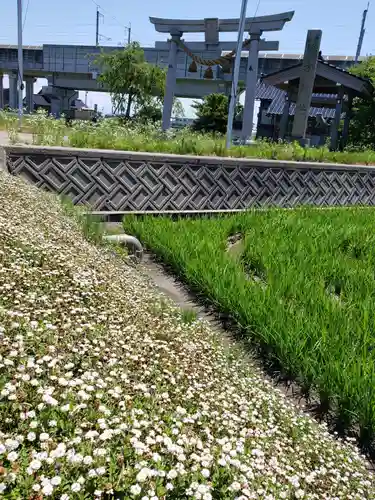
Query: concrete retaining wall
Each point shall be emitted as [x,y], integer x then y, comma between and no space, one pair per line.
[118,181]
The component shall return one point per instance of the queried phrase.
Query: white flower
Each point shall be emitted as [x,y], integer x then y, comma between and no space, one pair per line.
[135,489]
[87,460]
[44,436]
[2,449]
[56,480]
[75,487]
[3,487]
[12,456]
[100,471]
[31,436]
[172,474]
[33,424]
[47,489]
[143,474]
[235,486]
[12,444]
[64,496]
[169,486]
[59,451]
[99,452]
[205,473]
[35,464]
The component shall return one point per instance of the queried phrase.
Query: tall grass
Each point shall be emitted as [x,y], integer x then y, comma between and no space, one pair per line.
[302,289]
[132,136]
[45,129]
[9,122]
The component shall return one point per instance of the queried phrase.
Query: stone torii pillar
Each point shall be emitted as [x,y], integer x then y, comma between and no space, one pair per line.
[170,84]
[29,93]
[255,28]
[251,82]
[1,92]
[306,84]
[13,92]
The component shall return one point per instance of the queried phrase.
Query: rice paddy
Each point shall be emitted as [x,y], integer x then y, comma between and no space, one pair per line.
[300,284]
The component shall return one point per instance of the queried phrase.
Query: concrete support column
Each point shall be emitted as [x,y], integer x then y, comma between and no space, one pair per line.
[170,85]
[285,117]
[29,94]
[13,91]
[1,92]
[336,121]
[251,81]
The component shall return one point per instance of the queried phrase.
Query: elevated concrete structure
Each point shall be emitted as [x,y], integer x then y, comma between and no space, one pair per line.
[71,67]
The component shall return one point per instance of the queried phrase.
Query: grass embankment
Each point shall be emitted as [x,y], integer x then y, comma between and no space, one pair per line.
[110,134]
[107,391]
[302,288]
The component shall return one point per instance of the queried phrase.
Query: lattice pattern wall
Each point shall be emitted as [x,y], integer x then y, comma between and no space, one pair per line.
[115,181]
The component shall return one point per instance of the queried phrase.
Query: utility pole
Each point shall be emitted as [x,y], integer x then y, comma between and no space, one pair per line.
[97,27]
[361,34]
[129,28]
[236,71]
[20,63]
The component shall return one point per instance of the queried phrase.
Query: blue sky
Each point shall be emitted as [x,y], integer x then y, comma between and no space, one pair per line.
[73,22]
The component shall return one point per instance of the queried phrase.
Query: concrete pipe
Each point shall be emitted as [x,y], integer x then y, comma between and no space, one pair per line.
[129,241]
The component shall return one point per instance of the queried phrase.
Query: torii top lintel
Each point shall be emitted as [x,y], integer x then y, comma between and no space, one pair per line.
[259,24]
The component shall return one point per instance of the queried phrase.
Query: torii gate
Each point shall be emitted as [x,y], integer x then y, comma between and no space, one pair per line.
[211,27]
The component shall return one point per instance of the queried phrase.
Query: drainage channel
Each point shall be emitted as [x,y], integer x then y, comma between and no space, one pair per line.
[168,285]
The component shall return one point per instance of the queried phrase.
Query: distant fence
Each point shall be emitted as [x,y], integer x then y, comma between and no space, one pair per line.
[118,181]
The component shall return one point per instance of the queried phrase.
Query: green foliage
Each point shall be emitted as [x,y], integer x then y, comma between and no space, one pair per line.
[188,316]
[302,291]
[362,125]
[91,226]
[9,121]
[149,112]
[131,80]
[212,113]
[147,136]
[45,129]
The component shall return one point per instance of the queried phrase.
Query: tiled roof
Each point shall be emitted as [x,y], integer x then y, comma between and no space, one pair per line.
[277,96]
[277,105]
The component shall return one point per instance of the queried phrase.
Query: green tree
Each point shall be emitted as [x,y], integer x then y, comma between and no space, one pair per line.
[362,124]
[152,110]
[131,80]
[212,113]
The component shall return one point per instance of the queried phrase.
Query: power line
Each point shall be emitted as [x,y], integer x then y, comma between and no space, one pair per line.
[25,17]
[109,14]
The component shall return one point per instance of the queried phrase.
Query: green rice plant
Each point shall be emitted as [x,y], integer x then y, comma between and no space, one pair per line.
[311,306]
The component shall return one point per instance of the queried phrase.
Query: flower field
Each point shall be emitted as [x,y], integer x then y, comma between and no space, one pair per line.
[106,392]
